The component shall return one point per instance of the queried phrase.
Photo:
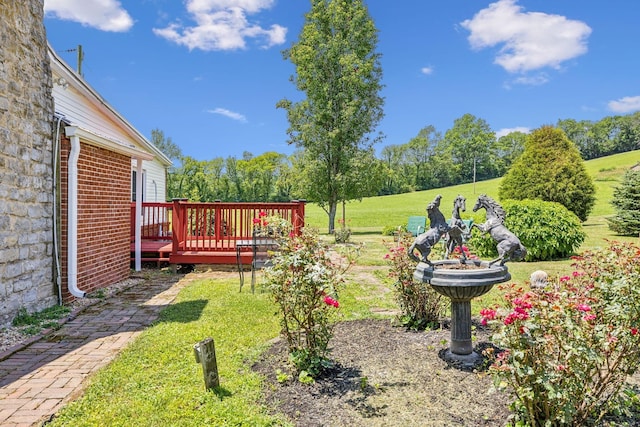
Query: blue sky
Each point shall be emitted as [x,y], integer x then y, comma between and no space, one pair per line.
[208,73]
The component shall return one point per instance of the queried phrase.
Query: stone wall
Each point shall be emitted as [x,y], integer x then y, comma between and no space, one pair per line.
[26,177]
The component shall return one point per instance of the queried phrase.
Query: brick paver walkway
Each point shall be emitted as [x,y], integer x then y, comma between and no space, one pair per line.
[39,380]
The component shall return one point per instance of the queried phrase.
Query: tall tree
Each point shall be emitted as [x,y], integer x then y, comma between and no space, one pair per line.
[420,150]
[470,142]
[507,149]
[338,69]
[166,145]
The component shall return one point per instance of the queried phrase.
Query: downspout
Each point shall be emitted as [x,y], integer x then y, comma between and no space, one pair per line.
[138,224]
[72,215]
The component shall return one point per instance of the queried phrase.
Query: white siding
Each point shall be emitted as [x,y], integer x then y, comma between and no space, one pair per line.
[155,189]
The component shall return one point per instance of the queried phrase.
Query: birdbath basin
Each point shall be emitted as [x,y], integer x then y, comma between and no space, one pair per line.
[461,281]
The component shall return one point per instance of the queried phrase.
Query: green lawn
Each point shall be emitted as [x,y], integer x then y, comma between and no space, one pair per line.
[156,381]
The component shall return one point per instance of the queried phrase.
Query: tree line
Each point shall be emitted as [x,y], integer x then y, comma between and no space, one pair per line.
[467,151]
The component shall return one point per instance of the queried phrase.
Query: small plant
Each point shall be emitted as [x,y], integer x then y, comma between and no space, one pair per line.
[421,306]
[342,234]
[392,230]
[282,377]
[305,378]
[304,282]
[33,323]
[570,347]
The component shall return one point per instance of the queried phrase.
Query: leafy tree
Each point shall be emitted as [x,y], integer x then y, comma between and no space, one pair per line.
[166,145]
[628,138]
[339,71]
[550,169]
[626,200]
[469,143]
[420,151]
[507,149]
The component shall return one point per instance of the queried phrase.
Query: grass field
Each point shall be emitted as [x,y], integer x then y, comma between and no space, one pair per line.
[373,213]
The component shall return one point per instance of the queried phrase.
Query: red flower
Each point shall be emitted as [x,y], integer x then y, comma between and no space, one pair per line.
[487,314]
[565,278]
[330,301]
[634,331]
[583,307]
[262,213]
[256,220]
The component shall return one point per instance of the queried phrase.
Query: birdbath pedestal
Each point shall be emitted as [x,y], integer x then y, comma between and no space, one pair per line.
[461,281]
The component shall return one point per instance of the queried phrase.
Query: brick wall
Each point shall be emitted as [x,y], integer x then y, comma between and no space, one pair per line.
[104,210]
[26,176]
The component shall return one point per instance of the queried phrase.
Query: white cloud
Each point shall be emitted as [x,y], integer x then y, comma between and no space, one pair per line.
[223,25]
[507,131]
[105,15]
[426,70]
[228,113]
[528,40]
[627,104]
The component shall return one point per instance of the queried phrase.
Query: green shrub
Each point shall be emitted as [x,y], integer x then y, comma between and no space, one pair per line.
[547,229]
[626,200]
[421,307]
[569,348]
[551,169]
[390,230]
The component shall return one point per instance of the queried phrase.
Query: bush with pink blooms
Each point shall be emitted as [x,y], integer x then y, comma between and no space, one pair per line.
[569,348]
[304,280]
[421,307]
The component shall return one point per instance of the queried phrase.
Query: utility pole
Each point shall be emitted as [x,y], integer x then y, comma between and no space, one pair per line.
[80,58]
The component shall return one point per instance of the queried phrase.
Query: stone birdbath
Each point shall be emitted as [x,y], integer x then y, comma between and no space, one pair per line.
[461,281]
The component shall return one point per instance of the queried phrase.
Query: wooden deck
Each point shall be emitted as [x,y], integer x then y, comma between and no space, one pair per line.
[205,233]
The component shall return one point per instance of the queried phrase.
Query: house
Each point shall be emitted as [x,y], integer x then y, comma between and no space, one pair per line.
[103,161]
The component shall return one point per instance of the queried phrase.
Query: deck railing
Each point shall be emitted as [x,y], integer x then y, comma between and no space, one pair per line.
[210,227]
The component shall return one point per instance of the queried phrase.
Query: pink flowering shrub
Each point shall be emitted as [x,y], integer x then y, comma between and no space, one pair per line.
[304,282]
[421,307]
[570,347]
[271,225]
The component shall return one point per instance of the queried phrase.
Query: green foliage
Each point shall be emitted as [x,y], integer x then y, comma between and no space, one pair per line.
[626,200]
[469,144]
[304,282]
[390,230]
[340,74]
[547,229]
[33,323]
[551,169]
[570,346]
[421,307]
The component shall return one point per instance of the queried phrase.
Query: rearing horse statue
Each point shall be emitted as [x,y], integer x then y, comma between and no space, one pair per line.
[454,235]
[437,228]
[509,246]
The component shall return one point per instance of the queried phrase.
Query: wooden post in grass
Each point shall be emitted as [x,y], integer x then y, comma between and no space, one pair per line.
[205,353]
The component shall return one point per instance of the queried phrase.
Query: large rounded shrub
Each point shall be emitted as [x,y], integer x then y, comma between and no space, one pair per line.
[547,229]
[551,169]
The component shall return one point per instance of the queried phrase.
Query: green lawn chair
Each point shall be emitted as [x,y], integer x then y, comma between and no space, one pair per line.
[416,225]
